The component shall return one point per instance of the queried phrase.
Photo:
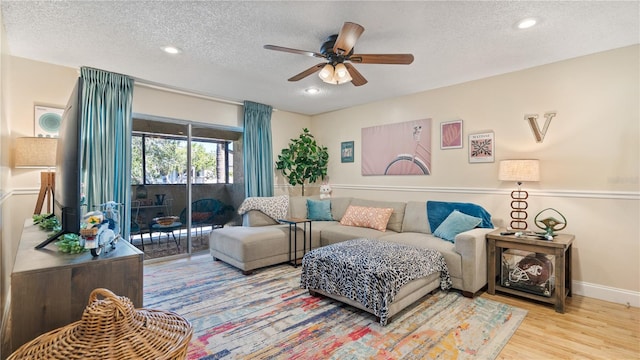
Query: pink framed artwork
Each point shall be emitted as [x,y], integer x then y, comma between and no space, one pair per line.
[451,135]
[397,149]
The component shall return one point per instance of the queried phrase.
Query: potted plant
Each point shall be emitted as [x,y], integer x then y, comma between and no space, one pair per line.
[304,160]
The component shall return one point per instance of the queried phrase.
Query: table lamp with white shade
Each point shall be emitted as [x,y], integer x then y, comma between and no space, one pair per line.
[38,152]
[519,170]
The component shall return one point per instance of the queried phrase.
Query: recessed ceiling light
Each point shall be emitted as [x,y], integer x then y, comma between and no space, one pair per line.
[171,50]
[312,90]
[526,23]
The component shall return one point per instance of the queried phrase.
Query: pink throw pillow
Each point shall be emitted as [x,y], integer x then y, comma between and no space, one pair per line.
[369,217]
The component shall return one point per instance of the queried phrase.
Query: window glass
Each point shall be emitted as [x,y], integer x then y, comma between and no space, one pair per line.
[161,160]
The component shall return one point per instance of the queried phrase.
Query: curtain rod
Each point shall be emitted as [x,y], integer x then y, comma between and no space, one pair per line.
[174,90]
[166,88]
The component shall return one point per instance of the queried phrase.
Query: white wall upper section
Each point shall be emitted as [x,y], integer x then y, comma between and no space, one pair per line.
[31,83]
[591,144]
[167,104]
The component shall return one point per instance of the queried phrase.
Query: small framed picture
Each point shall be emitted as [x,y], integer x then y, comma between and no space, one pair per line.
[47,121]
[346,152]
[451,135]
[482,147]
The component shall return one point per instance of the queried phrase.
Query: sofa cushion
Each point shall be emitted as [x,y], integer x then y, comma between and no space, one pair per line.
[319,210]
[415,218]
[395,221]
[334,233]
[454,224]
[248,244]
[368,217]
[338,206]
[298,207]
[437,211]
[447,249]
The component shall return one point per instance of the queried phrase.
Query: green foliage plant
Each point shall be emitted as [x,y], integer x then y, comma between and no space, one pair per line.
[68,243]
[304,160]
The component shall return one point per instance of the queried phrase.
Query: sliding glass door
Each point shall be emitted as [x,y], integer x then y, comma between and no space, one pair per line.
[182,185]
[212,177]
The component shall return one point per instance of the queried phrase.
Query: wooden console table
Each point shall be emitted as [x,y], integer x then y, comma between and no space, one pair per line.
[50,289]
[560,247]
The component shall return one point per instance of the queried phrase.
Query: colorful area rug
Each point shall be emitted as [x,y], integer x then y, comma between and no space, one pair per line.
[267,316]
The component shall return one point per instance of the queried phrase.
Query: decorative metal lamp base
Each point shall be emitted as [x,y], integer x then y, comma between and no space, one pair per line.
[518,207]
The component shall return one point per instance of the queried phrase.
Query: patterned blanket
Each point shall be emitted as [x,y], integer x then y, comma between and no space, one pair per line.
[275,207]
[370,272]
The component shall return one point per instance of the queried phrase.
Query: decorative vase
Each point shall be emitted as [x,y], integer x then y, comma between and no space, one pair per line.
[141,192]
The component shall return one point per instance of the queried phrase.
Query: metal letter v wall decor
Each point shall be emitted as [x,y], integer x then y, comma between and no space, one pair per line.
[533,122]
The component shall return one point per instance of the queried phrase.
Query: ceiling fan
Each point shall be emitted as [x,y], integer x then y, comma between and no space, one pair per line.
[337,50]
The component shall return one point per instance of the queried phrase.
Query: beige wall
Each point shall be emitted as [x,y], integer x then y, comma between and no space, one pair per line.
[3,170]
[27,83]
[32,83]
[589,157]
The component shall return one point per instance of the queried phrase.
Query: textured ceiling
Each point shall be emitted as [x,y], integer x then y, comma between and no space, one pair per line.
[222,42]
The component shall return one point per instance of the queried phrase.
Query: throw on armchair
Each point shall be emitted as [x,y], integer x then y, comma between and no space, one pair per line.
[208,212]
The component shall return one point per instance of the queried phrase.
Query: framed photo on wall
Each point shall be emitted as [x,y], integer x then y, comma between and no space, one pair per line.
[482,147]
[451,135]
[47,121]
[346,152]
[402,148]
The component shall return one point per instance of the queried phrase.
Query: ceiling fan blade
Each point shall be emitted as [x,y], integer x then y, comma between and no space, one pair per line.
[349,34]
[400,59]
[309,71]
[294,51]
[356,78]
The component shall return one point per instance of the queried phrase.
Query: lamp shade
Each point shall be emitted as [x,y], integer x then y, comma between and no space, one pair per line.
[35,152]
[519,170]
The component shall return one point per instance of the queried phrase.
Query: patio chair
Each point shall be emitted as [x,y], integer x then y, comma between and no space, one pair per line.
[208,212]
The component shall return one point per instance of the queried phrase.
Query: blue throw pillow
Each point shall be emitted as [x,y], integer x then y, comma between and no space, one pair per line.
[437,211]
[456,223]
[319,210]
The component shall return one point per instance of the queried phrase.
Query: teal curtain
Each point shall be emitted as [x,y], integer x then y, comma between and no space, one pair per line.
[257,150]
[106,140]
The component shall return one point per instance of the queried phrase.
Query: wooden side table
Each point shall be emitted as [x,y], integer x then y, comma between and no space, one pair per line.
[560,247]
[293,226]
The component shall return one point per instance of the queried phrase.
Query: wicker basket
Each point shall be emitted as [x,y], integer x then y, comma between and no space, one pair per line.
[111,328]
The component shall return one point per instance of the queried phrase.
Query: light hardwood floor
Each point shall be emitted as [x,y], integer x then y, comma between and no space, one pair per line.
[589,329]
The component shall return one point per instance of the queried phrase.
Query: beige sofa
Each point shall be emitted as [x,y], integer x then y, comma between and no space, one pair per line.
[262,241]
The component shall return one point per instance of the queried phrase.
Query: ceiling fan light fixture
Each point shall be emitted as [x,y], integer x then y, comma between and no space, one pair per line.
[335,51]
[326,74]
[341,74]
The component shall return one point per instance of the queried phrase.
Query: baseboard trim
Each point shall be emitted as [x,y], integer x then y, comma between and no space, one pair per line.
[607,293]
